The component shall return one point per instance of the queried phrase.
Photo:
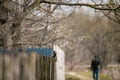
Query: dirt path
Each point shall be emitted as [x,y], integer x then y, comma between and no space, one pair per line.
[79,76]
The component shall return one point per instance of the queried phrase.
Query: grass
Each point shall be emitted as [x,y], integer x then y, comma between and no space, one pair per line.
[85,73]
[103,77]
[89,75]
[69,77]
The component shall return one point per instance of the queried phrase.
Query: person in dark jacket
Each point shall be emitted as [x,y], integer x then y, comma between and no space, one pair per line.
[95,67]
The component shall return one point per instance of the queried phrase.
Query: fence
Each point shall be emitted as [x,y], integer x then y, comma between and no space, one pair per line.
[24,66]
[46,68]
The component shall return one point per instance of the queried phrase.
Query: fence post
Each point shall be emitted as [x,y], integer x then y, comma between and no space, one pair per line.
[37,73]
[48,70]
[3,68]
[60,66]
[22,73]
[53,69]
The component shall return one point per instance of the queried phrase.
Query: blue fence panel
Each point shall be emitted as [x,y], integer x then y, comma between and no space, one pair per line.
[41,51]
[3,50]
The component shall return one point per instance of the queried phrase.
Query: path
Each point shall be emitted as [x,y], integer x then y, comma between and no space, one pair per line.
[79,76]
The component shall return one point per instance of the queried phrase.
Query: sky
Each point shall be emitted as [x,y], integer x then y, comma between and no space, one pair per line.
[68,9]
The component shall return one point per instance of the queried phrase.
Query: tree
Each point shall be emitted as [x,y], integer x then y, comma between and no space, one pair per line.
[97,42]
[115,14]
[114,39]
[13,13]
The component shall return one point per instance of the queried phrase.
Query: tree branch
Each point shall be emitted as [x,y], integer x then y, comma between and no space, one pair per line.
[32,6]
[94,6]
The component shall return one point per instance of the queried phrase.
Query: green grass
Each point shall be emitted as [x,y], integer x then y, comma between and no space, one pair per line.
[69,77]
[103,77]
[86,74]
[89,75]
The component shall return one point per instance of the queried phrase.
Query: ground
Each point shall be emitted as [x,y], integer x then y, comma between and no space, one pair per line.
[83,76]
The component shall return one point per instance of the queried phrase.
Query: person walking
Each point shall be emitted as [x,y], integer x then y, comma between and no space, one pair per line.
[95,67]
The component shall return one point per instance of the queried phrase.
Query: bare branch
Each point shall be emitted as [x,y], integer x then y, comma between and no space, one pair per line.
[32,6]
[94,6]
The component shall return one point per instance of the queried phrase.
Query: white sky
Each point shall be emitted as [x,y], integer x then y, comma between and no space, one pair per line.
[67,9]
